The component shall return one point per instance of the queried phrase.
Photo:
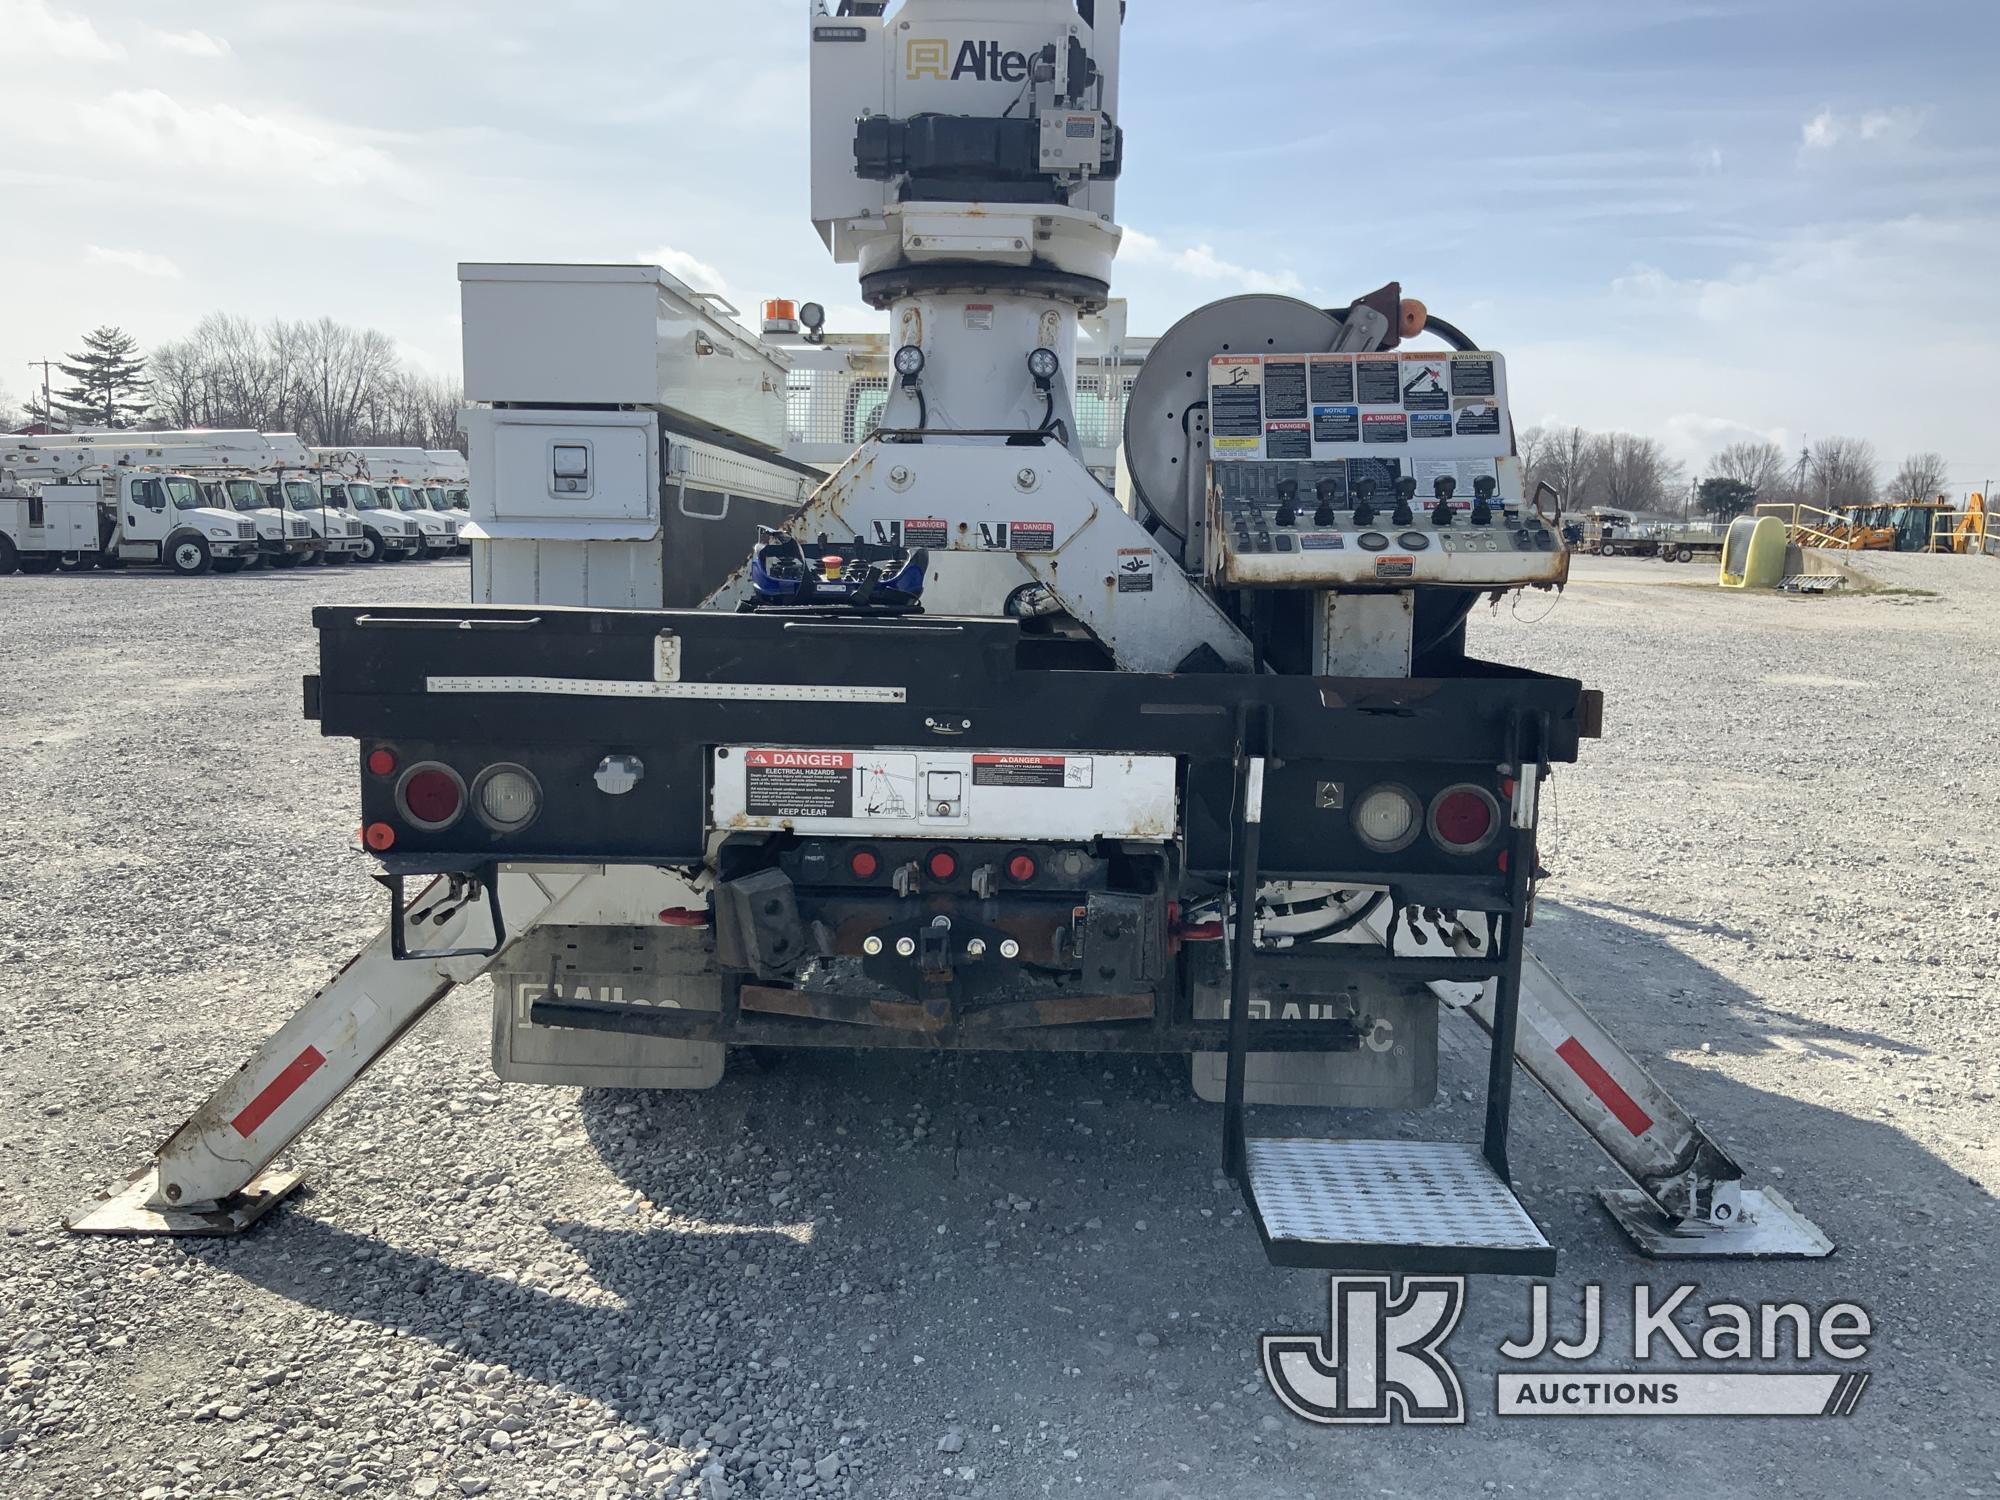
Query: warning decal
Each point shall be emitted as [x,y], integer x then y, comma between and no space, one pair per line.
[799,783]
[1031,770]
[1235,398]
[1034,536]
[1291,440]
[1379,380]
[1284,390]
[926,531]
[1429,424]
[1472,375]
[1423,384]
[1382,427]
[1135,570]
[1395,567]
[1332,378]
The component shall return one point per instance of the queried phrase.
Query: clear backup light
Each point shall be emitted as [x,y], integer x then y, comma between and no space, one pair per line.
[507,798]
[1387,818]
[1464,819]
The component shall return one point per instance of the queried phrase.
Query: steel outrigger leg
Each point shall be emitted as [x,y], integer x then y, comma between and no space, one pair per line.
[212,1176]
[1689,1202]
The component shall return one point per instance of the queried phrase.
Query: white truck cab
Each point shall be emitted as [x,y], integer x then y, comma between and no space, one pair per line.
[387,535]
[336,528]
[440,532]
[283,540]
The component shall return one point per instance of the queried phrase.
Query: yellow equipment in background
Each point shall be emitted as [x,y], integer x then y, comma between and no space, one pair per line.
[1753,554]
[1965,530]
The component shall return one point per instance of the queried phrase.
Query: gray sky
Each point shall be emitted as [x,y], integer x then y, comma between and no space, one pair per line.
[1695,220]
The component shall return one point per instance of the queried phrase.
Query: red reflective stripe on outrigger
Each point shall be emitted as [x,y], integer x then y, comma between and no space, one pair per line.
[277,1091]
[1602,1084]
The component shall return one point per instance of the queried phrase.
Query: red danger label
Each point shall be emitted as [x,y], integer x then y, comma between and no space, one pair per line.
[1034,536]
[926,531]
[1031,770]
[829,760]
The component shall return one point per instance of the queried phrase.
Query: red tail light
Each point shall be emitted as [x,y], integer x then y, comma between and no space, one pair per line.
[382,762]
[431,795]
[863,865]
[942,864]
[1021,868]
[1464,819]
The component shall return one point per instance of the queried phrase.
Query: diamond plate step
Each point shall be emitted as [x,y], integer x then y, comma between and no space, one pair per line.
[1359,1205]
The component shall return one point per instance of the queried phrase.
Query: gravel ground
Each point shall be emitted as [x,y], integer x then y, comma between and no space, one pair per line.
[895,1276]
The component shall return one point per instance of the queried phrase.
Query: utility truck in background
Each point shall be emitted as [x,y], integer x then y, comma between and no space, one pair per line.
[111,499]
[388,533]
[398,476]
[948,749]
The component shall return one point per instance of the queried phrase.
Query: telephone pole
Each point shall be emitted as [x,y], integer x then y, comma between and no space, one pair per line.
[48,411]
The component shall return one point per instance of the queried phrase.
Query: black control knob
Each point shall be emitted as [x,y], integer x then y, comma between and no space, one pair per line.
[1443,487]
[1406,492]
[1288,502]
[1325,489]
[1482,500]
[1364,502]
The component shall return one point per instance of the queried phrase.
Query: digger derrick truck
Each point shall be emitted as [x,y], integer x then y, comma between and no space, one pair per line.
[949,750]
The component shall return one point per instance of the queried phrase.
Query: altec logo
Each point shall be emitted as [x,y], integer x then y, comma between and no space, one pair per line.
[984,62]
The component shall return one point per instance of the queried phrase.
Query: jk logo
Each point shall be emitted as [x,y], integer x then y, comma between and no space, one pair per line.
[1381,1359]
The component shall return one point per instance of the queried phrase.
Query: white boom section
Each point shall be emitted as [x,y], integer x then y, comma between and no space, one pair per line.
[209,1175]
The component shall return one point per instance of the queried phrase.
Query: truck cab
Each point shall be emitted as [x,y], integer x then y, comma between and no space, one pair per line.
[386,534]
[439,500]
[170,519]
[335,528]
[283,541]
[440,533]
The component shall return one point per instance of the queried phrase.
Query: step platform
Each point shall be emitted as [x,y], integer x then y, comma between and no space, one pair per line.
[1359,1205]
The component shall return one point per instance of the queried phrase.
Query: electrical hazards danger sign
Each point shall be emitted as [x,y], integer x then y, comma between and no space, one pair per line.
[799,783]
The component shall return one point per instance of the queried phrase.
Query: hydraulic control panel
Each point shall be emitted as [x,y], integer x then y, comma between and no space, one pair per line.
[1346,470]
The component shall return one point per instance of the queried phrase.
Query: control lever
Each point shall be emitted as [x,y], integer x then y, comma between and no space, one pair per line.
[1364,502]
[1482,500]
[1288,502]
[1406,491]
[1323,516]
[1443,487]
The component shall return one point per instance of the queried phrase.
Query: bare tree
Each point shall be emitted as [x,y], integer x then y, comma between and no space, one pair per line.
[1841,471]
[11,416]
[1563,456]
[1755,465]
[346,372]
[1634,473]
[334,385]
[1922,476]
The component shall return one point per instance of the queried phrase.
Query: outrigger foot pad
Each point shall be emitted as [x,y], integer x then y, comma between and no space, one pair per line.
[1766,1228]
[135,1209]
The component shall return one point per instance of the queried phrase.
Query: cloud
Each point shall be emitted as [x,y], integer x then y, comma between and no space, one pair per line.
[143,261]
[220,139]
[38,31]
[698,274]
[193,43]
[1827,129]
[1203,264]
